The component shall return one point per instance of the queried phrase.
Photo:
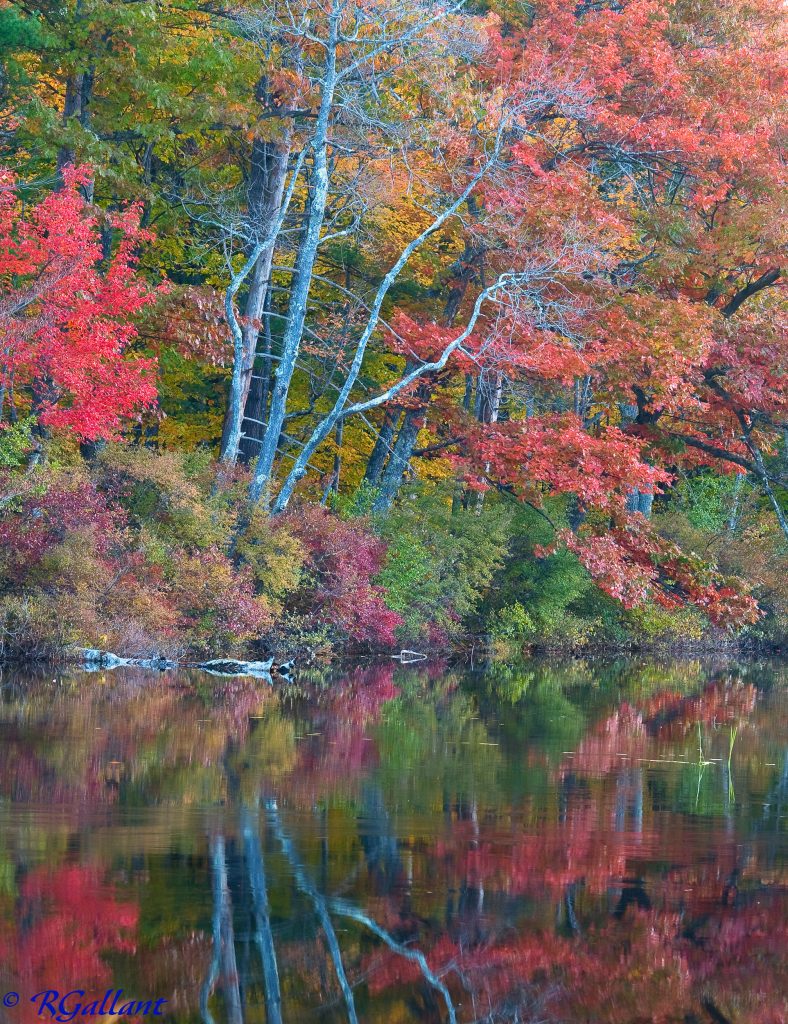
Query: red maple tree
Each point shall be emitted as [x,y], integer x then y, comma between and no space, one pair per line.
[67,310]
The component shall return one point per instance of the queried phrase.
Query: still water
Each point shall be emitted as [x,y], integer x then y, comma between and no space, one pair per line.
[573,842]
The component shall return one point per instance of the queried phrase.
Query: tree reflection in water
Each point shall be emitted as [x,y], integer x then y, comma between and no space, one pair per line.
[574,843]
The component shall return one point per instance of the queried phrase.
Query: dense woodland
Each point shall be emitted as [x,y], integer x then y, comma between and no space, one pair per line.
[360,324]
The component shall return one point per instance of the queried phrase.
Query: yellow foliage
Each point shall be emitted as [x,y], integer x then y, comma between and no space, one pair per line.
[275,557]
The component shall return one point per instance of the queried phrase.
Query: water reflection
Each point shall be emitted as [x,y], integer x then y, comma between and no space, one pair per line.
[574,843]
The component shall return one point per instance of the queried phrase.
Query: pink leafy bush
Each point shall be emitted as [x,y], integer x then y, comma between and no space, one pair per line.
[336,587]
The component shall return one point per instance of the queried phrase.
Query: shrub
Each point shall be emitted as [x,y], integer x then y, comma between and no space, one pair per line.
[130,552]
[171,493]
[15,443]
[440,562]
[59,541]
[336,588]
[565,607]
[706,499]
[124,565]
[275,557]
[650,622]
[35,523]
[216,601]
[32,627]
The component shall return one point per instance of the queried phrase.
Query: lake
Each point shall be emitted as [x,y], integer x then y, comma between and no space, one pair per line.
[581,841]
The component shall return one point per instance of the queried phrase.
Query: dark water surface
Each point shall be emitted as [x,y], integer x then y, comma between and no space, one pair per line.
[573,842]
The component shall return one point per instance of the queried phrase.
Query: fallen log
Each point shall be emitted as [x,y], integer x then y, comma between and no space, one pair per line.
[94,659]
[407,657]
[231,667]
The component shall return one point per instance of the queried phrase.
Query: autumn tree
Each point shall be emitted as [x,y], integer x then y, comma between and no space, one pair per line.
[67,312]
[530,256]
[652,362]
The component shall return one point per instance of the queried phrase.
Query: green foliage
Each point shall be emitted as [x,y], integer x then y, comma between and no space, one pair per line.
[549,601]
[440,562]
[15,443]
[191,397]
[357,503]
[551,586]
[18,32]
[511,628]
[550,591]
[553,602]
[754,549]
[653,623]
[706,499]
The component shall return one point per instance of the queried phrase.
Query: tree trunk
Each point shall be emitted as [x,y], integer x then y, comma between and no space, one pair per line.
[402,451]
[640,501]
[256,408]
[733,518]
[302,278]
[760,467]
[79,91]
[457,501]
[338,432]
[637,500]
[575,513]
[490,408]
[266,192]
[341,409]
[382,449]
[413,421]
[332,487]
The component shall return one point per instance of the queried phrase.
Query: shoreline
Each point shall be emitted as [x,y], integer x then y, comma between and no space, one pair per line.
[476,659]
